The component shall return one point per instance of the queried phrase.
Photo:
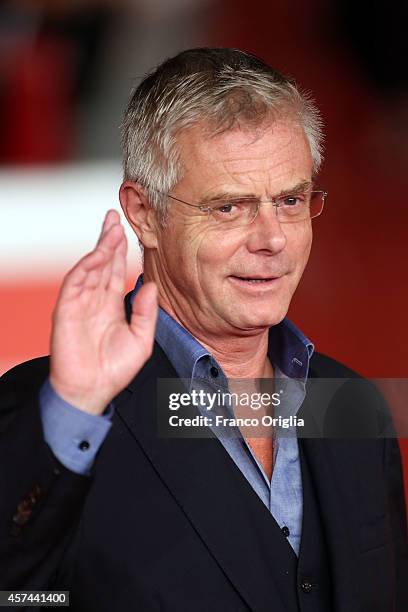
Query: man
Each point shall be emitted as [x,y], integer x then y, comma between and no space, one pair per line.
[220,155]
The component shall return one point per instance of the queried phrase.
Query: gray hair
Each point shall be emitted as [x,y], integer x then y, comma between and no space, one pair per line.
[219,88]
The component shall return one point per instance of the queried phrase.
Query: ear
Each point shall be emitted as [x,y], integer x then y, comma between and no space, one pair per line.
[140,215]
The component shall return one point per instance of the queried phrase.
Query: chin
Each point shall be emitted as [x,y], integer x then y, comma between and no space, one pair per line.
[259,320]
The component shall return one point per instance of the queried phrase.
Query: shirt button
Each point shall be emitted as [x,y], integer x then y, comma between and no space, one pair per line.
[84,445]
[285,531]
[214,371]
[306,586]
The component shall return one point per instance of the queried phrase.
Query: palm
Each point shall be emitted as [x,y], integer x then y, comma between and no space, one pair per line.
[94,351]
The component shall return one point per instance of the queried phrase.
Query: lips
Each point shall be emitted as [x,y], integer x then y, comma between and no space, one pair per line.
[255,284]
[255,279]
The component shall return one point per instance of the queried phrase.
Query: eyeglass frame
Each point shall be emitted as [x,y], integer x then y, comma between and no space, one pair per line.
[208,209]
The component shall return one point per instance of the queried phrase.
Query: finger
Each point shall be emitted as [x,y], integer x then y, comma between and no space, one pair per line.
[75,279]
[100,277]
[144,315]
[110,240]
[117,277]
[88,271]
[114,265]
[111,218]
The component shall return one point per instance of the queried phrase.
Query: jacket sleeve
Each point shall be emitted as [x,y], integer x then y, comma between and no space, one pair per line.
[40,500]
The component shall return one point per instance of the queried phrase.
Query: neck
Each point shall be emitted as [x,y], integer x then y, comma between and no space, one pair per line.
[239,355]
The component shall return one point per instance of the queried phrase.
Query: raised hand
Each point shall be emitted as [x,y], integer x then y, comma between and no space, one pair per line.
[95,353]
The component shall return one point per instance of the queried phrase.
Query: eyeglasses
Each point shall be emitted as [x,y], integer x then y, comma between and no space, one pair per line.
[238,212]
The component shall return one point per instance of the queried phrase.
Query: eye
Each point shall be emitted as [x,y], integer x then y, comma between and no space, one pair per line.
[233,210]
[226,208]
[292,200]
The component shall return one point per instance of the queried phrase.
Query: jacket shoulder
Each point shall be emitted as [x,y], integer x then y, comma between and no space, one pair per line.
[322,366]
[21,381]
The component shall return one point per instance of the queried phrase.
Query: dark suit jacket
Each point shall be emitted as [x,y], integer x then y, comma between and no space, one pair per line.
[173,525]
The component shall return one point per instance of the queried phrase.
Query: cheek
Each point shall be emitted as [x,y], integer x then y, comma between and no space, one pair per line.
[300,244]
[192,255]
[215,255]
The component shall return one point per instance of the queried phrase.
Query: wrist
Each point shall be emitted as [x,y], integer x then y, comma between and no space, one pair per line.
[86,401]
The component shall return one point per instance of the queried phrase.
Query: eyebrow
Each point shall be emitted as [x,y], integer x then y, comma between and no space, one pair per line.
[227,195]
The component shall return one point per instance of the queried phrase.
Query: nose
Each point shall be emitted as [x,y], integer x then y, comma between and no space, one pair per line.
[265,233]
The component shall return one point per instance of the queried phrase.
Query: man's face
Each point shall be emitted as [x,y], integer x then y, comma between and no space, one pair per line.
[203,268]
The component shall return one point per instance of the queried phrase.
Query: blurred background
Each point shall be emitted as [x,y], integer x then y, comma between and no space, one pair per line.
[66,70]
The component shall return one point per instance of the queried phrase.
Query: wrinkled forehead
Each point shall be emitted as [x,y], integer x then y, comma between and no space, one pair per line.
[261,156]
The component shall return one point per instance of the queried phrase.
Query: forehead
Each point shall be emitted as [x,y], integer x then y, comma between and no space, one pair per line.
[269,154]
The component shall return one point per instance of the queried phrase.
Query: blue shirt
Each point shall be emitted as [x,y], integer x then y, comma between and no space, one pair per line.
[65,426]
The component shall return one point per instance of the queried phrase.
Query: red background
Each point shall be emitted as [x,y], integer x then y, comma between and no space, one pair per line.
[352,299]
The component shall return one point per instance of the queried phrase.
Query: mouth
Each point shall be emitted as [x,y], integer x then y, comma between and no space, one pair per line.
[257,281]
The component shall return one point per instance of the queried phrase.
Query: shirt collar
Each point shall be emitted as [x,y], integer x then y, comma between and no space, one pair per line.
[182,349]
[288,349]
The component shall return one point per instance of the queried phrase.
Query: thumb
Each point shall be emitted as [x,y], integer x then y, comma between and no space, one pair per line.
[144,314]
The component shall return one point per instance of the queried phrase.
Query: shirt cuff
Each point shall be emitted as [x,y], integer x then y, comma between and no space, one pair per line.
[73,435]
